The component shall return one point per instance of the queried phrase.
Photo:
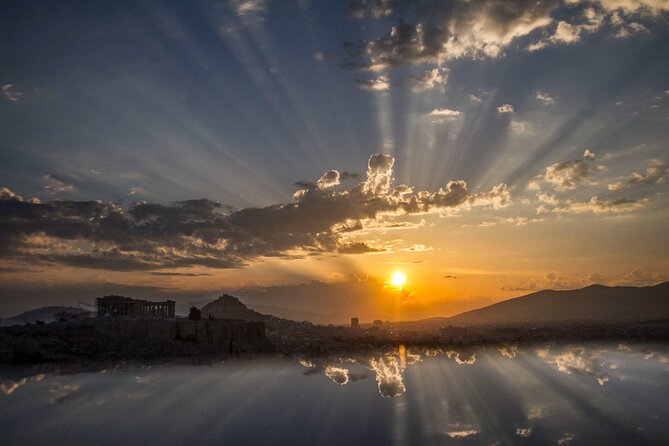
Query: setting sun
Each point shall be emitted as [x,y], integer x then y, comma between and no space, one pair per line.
[398,278]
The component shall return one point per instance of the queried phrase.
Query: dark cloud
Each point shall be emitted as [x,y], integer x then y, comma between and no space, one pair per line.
[168,274]
[202,232]
[437,31]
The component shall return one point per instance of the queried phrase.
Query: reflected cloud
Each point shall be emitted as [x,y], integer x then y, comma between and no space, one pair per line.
[9,387]
[462,358]
[337,374]
[388,376]
[509,351]
[578,360]
[60,392]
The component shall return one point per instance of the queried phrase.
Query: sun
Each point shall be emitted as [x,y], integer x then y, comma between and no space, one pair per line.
[398,279]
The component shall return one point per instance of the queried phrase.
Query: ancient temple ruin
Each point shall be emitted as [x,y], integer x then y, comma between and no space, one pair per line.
[126,306]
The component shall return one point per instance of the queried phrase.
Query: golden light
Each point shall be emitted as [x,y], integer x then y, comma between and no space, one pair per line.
[398,279]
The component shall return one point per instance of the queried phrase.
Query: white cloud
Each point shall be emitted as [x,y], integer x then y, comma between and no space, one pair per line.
[505,108]
[433,79]
[544,98]
[568,33]
[524,431]
[247,7]
[9,93]
[381,83]
[567,174]
[462,433]
[445,113]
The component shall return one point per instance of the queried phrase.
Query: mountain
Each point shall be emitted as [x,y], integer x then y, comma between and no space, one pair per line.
[46,314]
[229,307]
[593,303]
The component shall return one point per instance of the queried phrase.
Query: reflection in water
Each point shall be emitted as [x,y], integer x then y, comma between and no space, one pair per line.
[388,375]
[488,395]
[578,360]
[337,374]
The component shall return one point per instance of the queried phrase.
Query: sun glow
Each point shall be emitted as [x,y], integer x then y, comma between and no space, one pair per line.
[398,279]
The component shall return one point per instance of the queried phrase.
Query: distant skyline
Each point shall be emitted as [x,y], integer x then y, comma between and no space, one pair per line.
[484,149]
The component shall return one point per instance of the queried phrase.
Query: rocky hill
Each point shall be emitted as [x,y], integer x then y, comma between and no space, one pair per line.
[229,307]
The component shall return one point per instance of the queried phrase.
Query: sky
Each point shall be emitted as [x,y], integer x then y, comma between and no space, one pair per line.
[300,152]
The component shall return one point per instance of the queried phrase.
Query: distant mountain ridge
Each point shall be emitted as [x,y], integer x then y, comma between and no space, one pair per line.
[45,314]
[593,303]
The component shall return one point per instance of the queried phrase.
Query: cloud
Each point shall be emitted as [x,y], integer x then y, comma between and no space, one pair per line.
[461,360]
[328,179]
[9,93]
[248,7]
[371,8]
[9,387]
[388,376]
[642,277]
[634,6]
[567,175]
[418,248]
[566,439]
[176,274]
[578,360]
[337,374]
[594,205]
[509,351]
[432,79]
[59,391]
[657,174]
[568,33]
[320,56]
[379,84]
[524,431]
[357,248]
[445,112]
[462,432]
[441,31]
[202,232]
[57,185]
[544,98]
[505,108]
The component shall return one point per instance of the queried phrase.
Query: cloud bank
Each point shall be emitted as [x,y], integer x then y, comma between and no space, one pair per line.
[202,232]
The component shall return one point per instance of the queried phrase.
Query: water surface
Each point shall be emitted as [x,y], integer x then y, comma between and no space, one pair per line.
[576,394]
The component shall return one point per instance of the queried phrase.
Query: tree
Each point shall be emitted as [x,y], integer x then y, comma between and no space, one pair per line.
[194,314]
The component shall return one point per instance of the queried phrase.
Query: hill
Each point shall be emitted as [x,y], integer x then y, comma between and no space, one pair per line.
[593,303]
[229,307]
[45,314]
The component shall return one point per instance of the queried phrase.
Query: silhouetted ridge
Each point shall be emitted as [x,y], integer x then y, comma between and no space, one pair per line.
[229,307]
[595,303]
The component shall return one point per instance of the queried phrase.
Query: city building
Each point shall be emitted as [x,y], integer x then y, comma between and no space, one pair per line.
[355,323]
[126,306]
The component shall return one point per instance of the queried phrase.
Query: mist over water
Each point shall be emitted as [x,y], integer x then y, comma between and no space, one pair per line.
[547,394]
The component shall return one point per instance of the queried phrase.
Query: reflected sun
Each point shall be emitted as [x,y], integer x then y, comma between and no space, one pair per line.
[398,279]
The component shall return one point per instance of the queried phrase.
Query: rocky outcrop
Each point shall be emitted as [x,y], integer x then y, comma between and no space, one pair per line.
[229,307]
[131,338]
